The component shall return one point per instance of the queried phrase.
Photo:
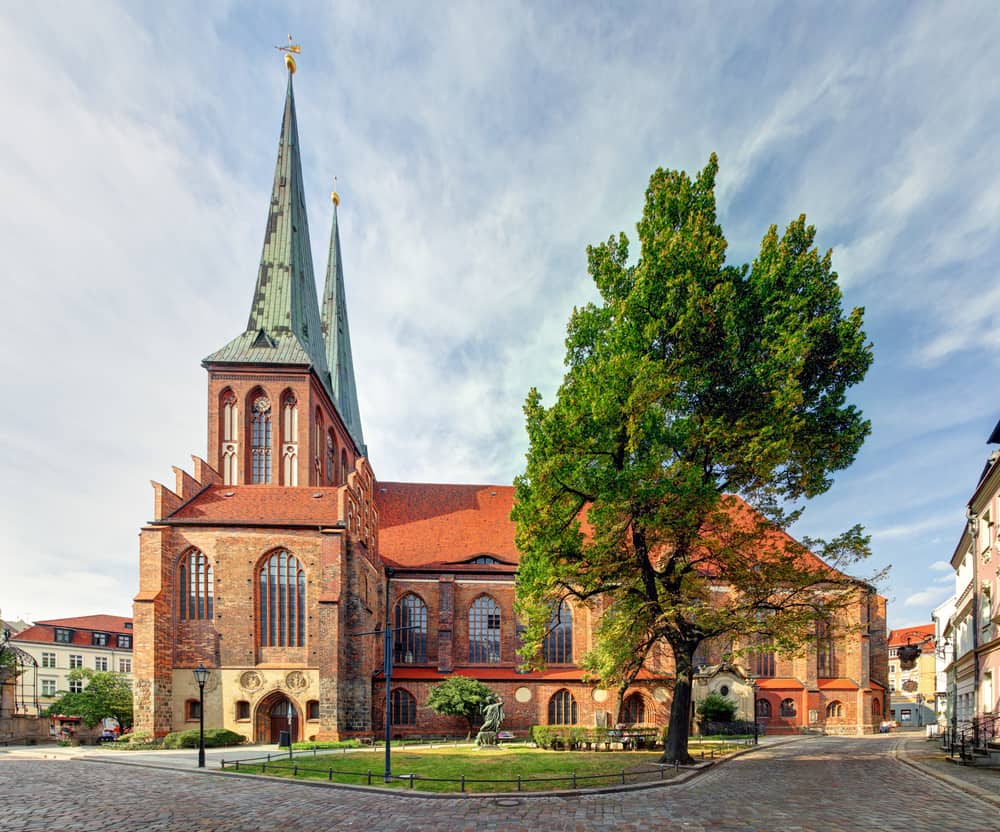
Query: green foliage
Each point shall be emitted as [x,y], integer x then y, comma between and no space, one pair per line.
[460,696]
[105,694]
[689,382]
[717,708]
[308,746]
[214,738]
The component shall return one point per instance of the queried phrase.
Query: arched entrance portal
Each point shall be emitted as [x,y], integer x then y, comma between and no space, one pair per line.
[275,713]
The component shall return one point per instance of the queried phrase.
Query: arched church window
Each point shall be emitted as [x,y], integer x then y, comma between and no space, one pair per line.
[562,708]
[410,638]
[876,707]
[282,590]
[331,458]
[404,707]
[633,709]
[290,438]
[195,586]
[260,440]
[834,710]
[557,646]
[343,467]
[318,446]
[484,630]
[787,708]
[763,708]
[230,431]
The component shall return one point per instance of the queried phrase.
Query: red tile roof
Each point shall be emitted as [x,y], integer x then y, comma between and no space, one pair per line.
[255,504]
[561,674]
[912,635]
[779,683]
[836,684]
[422,524]
[82,626]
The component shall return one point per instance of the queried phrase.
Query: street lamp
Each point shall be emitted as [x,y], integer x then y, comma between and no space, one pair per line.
[753,686]
[201,676]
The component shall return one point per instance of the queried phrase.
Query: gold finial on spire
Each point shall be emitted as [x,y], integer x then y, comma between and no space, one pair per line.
[288,50]
[334,196]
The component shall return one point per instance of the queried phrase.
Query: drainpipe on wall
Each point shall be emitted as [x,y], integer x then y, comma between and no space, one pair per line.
[973,520]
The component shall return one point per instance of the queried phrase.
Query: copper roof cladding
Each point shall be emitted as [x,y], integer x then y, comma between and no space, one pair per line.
[251,505]
[912,635]
[424,524]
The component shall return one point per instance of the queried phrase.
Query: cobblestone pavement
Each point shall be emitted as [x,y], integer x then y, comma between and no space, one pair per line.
[823,783]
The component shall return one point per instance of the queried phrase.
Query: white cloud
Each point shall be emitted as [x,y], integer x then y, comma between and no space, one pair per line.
[940,566]
[929,598]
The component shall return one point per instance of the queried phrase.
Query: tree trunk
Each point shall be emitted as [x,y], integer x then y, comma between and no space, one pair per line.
[675,749]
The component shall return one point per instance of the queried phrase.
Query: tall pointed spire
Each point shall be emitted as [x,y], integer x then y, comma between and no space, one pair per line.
[338,337]
[284,325]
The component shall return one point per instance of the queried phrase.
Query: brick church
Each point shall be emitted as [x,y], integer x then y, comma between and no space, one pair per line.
[280,557]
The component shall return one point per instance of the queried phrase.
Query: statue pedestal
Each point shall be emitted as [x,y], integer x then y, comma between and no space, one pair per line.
[486,739]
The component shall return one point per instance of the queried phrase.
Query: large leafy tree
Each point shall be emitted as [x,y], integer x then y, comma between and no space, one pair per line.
[460,696]
[690,382]
[106,695]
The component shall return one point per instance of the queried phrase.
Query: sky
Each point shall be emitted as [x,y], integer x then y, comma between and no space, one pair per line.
[478,148]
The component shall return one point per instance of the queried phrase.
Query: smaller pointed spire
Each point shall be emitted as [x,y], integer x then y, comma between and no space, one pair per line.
[337,334]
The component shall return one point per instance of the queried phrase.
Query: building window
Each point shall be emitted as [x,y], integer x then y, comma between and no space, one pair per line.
[562,708]
[99,639]
[230,433]
[763,664]
[343,467]
[331,458]
[242,710]
[48,687]
[787,708]
[312,710]
[892,686]
[827,666]
[75,661]
[290,427]
[124,665]
[64,636]
[260,441]
[834,710]
[48,659]
[125,642]
[763,708]
[557,646]
[484,560]
[76,685]
[484,630]
[410,636]
[633,709]
[192,709]
[876,707]
[905,715]
[196,589]
[404,707]
[101,663]
[282,602]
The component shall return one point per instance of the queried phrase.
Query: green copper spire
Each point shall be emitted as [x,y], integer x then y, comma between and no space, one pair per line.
[338,339]
[284,325]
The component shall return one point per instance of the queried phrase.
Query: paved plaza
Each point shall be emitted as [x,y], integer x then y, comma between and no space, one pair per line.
[816,783]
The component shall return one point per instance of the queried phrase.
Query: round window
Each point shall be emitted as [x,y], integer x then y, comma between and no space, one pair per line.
[724,690]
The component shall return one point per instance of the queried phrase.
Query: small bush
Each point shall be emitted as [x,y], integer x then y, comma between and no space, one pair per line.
[308,746]
[717,708]
[214,738]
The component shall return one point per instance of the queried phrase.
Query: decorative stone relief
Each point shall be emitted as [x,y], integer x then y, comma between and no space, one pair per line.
[661,694]
[600,695]
[296,680]
[523,694]
[251,680]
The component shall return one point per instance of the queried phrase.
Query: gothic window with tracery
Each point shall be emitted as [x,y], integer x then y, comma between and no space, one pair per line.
[557,647]
[834,710]
[195,586]
[763,708]
[260,441]
[230,437]
[343,467]
[331,459]
[290,430]
[404,707]
[562,708]
[282,591]
[787,708]
[484,630]
[633,709]
[410,637]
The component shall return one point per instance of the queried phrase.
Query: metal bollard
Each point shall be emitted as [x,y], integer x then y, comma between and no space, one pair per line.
[574,779]
[463,782]
[295,770]
[519,782]
[329,775]
[623,777]
[369,777]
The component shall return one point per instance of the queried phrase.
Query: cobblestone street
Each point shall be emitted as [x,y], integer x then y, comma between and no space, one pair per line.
[820,783]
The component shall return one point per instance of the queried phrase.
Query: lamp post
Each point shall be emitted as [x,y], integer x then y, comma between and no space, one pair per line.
[201,676]
[753,687]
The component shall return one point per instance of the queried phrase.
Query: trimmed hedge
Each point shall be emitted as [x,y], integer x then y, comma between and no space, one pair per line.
[214,738]
[567,737]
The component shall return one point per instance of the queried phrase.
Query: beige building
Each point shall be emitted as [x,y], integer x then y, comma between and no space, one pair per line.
[912,689]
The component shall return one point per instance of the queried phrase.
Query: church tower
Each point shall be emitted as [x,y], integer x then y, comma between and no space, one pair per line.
[260,562]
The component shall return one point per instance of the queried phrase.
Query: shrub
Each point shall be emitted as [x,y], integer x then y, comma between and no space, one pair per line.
[214,738]
[309,746]
[716,708]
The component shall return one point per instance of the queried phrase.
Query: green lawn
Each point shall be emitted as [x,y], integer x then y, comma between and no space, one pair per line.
[441,769]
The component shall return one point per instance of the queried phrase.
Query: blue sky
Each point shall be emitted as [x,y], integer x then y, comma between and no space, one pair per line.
[478,149]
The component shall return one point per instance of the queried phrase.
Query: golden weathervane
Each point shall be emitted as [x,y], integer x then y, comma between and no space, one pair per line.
[334,196]
[288,50]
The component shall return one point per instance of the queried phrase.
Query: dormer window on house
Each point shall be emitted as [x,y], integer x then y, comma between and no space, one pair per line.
[484,560]
[124,642]
[99,639]
[64,636]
